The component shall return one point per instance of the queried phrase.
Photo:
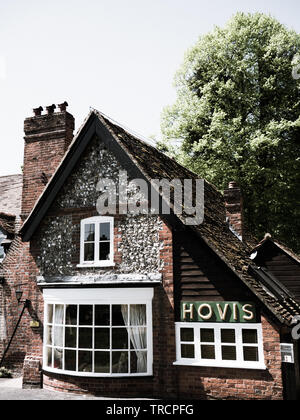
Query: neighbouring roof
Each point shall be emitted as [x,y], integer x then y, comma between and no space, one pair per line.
[268,238]
[11,194]
[147,162]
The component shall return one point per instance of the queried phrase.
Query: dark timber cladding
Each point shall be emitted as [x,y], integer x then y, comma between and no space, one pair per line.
[285,268]
[200,275]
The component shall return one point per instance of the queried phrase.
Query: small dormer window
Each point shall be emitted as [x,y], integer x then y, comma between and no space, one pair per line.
[2,250]
[96,242]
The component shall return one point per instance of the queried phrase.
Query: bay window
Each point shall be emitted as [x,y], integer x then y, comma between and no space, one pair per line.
[98,332]
[220,345]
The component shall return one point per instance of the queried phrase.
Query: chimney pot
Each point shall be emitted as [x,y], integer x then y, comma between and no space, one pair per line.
[38,111]
[50,109]
[232,185]
[63,106]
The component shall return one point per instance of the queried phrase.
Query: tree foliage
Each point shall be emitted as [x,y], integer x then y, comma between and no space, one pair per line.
[237,115]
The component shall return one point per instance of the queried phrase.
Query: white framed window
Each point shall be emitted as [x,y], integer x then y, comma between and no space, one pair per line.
[220,345]
[97,242]
[98,332]
[2,251]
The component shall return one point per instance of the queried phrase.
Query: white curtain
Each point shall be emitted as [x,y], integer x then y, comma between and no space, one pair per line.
[137,335]
[2,328]
[59,320]
[58,334]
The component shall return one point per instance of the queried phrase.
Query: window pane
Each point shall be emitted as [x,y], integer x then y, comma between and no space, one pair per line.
[251,354]
[104,231]
[138,315]
[228,336]
[104,251]
[49,357]
[49,339]
[120,362]
[89,233]
[102,362]
[250,337]
[71,337]
[50,314]
[85,361]
[102,336]
[2,252]
[89,253]
[138,362]
[71,315]
[208,352]
[102,315]
[58,357]
[119,338]
[207,335]
[187,334]
[58,336]
[85,338]
[59,314]
[187,351]
[119,315]
[85,315]
[228,353]
[70,360]
[138,338]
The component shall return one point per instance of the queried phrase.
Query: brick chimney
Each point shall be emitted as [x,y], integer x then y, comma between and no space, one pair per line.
[47,137]
[234,209]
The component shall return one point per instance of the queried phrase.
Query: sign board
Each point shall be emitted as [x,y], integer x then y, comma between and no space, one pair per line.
[227,312]
[287,353]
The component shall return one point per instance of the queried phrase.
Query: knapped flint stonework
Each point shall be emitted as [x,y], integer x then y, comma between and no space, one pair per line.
[140,245]
[139,242]
[56,246]
[80,189]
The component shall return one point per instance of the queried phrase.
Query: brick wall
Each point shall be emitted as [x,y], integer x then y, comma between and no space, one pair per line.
[239,384]
[20,273]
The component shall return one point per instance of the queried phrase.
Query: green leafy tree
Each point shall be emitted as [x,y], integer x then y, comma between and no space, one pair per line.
[237,115]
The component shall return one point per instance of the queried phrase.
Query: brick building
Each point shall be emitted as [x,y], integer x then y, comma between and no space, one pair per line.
[133,305]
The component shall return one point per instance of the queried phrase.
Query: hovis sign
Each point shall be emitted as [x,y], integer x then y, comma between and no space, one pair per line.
[230,312]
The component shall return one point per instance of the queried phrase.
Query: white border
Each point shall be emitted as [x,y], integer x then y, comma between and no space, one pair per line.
[101,296]
[218,362]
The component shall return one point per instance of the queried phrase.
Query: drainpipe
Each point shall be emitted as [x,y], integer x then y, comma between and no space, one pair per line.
[26,305]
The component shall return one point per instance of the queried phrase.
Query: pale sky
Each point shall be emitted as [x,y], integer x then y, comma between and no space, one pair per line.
[118,56]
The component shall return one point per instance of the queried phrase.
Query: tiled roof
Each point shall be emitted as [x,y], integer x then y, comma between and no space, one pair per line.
[11,194]
[214,230]
[153,164]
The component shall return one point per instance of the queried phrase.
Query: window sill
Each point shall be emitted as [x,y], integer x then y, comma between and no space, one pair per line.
[96,375]
[253,366]
[96,265]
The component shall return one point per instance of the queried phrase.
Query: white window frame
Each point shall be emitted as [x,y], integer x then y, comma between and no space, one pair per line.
[218,362]
[115,296]
[97,262]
